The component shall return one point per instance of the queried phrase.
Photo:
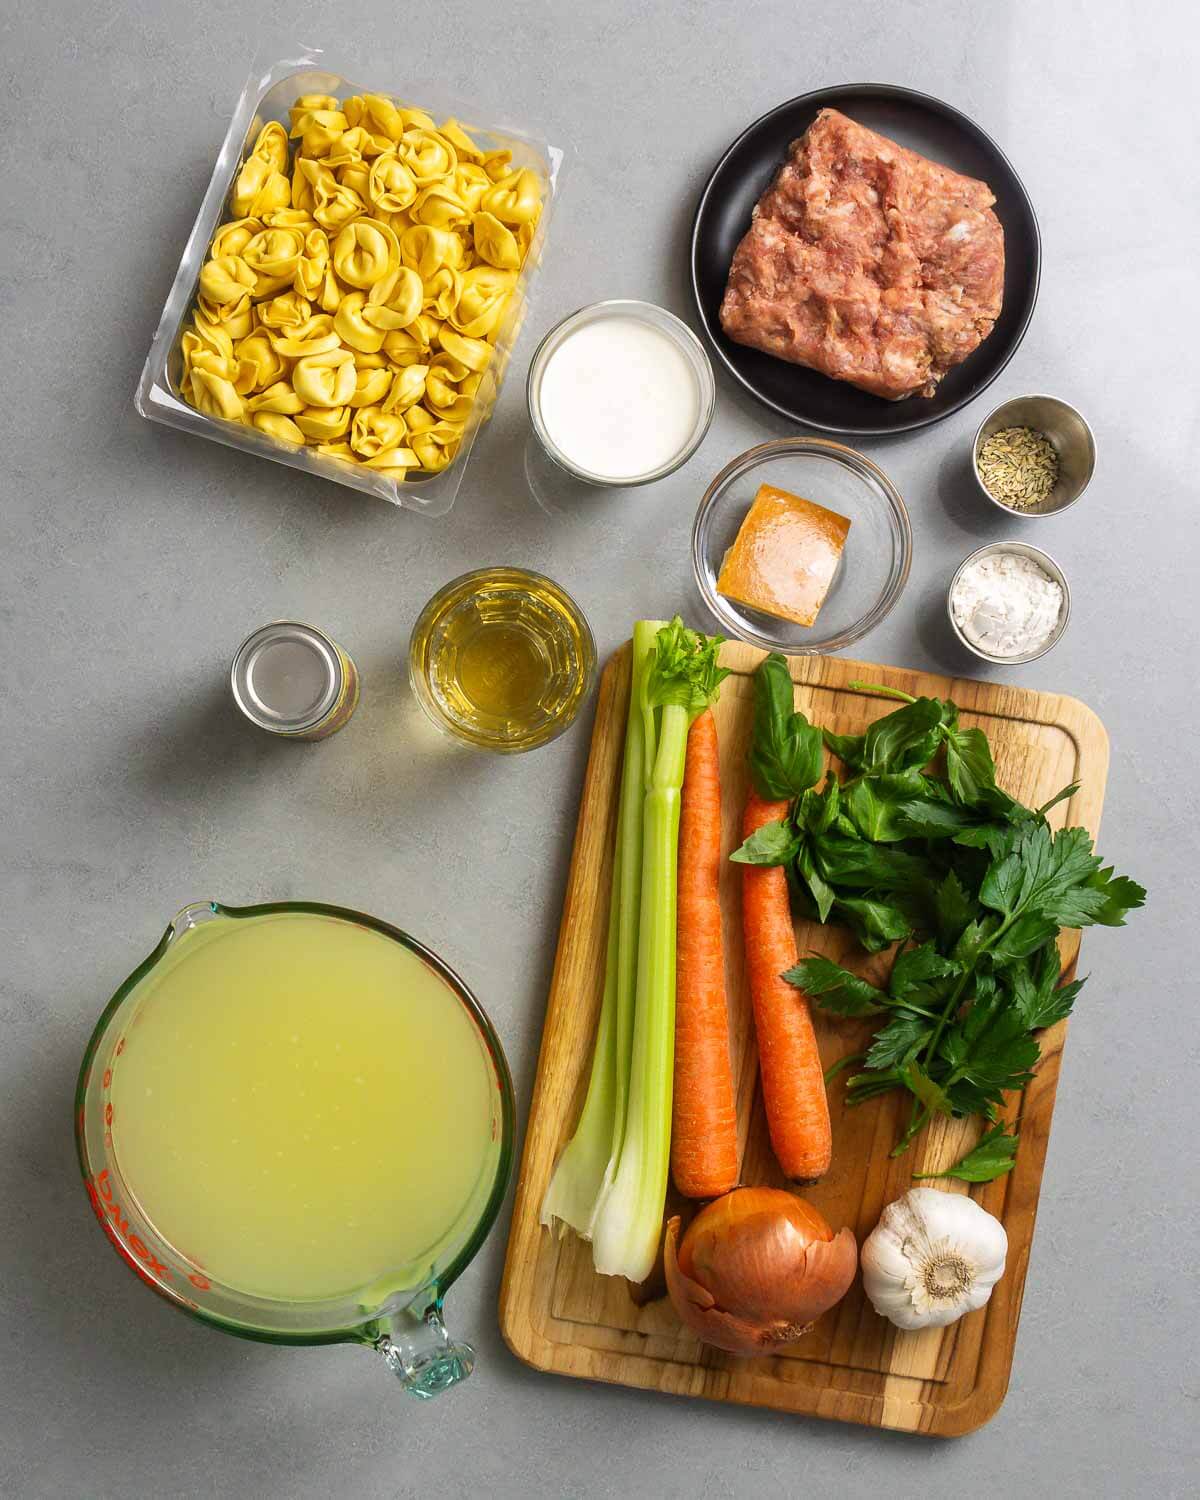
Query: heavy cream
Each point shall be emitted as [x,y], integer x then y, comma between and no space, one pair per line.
[618,398]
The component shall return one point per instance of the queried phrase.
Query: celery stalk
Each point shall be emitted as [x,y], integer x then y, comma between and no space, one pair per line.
[589,1161]
[681,681]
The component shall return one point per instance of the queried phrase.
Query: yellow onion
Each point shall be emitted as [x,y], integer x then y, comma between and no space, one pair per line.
[756,1269]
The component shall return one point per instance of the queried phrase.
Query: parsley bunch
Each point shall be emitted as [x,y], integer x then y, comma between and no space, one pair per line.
[916,845]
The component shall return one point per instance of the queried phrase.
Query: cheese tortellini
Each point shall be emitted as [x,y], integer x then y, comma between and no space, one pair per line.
[352,300]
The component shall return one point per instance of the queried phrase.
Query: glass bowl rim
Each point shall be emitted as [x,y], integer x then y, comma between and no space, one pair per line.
[849,458]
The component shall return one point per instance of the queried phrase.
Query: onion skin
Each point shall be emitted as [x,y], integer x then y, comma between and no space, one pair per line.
[756,1269]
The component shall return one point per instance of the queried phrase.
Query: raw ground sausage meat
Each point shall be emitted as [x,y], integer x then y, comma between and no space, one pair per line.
[867,262]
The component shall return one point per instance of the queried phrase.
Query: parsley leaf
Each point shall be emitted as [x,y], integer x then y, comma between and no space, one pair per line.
[1026,935]
[953,909]
[993,1156]
[1044,873]
[835,988]
[929,1093]
[912,844]
[1121,896]
[1037,993]
[915,970]
[900,1040]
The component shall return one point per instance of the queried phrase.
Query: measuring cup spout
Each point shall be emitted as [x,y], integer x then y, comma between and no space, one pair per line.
[421,1354]
[188,917]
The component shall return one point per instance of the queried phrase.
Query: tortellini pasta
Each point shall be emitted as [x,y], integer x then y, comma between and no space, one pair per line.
[352,300]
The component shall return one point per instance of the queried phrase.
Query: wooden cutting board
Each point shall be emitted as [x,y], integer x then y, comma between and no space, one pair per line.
[558,1315]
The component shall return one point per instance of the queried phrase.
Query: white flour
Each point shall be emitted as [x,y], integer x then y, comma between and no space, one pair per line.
[1006,604]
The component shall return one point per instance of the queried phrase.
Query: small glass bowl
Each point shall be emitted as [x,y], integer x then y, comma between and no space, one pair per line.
[656,317]
[1048,565]
[874,564]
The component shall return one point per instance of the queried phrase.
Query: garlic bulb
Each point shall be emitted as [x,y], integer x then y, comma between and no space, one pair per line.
[932,1257]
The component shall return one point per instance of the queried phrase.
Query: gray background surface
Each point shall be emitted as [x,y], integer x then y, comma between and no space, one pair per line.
[133,559]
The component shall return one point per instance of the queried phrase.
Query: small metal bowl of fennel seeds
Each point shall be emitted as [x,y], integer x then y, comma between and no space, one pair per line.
[1033,456]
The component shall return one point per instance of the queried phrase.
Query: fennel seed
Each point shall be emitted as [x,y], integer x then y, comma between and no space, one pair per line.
[1018,466]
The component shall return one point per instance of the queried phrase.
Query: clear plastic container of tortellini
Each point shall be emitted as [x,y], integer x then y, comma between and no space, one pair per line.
[269,94]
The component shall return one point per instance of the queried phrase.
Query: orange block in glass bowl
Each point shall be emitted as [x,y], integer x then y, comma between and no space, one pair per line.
[784,557]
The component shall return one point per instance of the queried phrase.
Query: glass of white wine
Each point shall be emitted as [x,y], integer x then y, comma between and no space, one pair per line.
[502,658]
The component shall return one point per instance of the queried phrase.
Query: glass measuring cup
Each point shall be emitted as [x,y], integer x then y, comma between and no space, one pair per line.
[400,1315]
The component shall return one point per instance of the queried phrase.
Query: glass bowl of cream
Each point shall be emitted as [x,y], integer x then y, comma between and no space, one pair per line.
[620,393]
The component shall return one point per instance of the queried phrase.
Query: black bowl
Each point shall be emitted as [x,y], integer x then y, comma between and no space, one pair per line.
[937,131]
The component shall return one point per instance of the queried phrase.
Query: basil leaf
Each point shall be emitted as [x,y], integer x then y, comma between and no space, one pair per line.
[825,806]
[873,804]
[876,924]
[908,738]
[932,820]
[787,752]
[847,747]
[819,889]
[969,765]
[772,844]
[865,866]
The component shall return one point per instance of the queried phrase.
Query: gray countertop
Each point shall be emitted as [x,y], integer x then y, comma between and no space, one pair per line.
[133,559]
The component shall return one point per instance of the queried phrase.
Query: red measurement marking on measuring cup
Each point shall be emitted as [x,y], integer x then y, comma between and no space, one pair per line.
[131,1246]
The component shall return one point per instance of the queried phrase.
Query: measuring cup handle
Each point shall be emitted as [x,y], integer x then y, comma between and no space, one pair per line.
[422,1355]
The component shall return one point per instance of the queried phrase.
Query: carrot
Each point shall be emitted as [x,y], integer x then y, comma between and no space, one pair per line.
[704,1152]
[793,1086]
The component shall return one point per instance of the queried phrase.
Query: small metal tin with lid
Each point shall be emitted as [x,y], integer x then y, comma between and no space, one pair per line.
[293,680]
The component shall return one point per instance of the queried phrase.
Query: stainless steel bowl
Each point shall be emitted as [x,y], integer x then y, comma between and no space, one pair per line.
[1073,442]
[1044,561]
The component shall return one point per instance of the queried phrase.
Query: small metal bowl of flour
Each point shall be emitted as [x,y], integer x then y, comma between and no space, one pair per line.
[1009,603]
